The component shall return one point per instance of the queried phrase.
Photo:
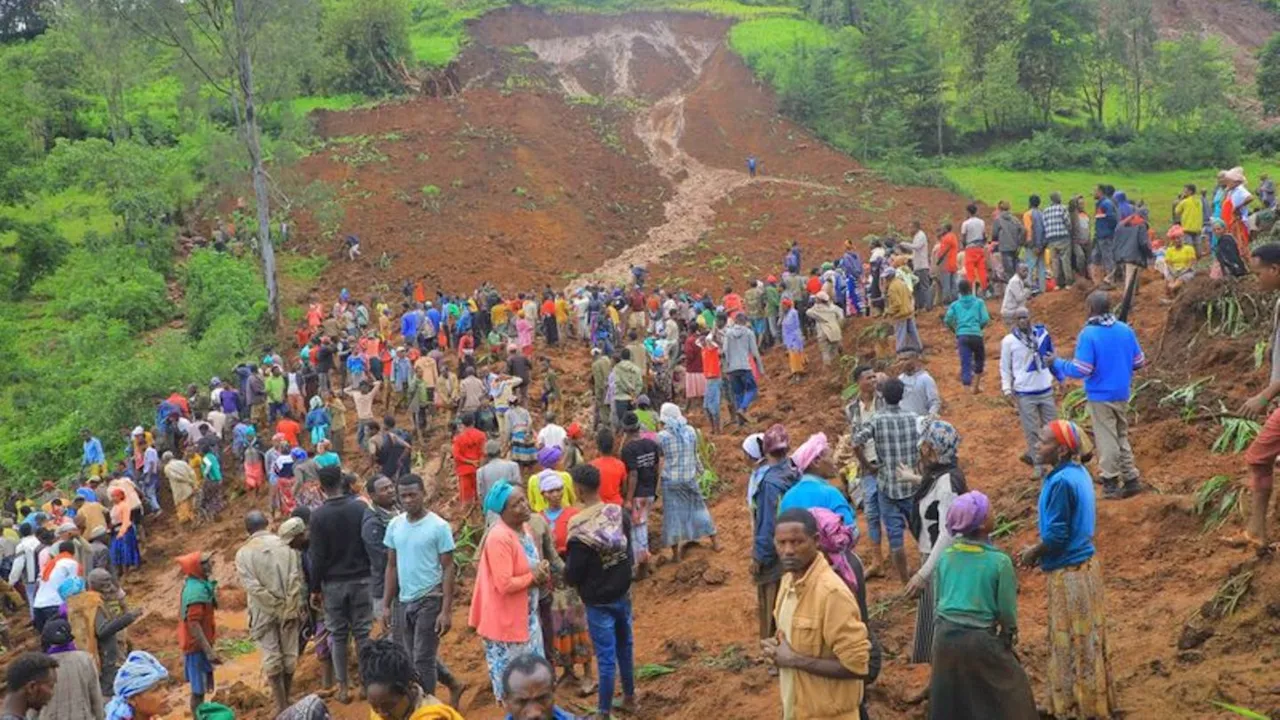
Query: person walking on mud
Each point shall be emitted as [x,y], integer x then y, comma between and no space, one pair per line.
[1027,375]
[751,165]
[1265,448]
[1107,354]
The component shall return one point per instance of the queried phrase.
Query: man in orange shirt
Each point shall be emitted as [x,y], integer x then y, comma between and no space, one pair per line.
[945,257]
[468,453]
[711,371]
[732,301]
[289,428]
[613,472]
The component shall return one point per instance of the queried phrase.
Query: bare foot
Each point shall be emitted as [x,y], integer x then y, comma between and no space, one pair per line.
[344,695]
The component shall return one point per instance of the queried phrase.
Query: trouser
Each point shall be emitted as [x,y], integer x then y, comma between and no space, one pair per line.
[1009,263]
[906,337]
[362,433]
[766,598]
[423,643]
[45,614]
[871,507]
[975,267]
[348,610]
[610,629]
[758,326]
[924,290]
[743,388]
[1060,261]
[279,642]
[150,489]
[1261,454]
[1111,434]
[830,350]
[947,286]
[29,589]
[275,410]
[1036,411]
[602,412]
[325,385]
[1035,261]
[774,331]
[620,410]
[973,357]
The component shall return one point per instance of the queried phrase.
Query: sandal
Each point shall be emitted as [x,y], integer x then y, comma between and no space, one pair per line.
[1244,540]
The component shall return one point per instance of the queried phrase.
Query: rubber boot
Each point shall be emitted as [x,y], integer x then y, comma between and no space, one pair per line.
[876,568]
[1111,489]
[899,558]
[1131,487]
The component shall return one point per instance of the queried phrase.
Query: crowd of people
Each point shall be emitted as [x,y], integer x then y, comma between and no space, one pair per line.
[557,510]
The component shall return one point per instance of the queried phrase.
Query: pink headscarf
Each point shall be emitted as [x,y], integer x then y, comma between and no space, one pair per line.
[811,450]
[835,539]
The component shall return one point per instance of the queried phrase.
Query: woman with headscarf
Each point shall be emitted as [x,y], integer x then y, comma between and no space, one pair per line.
[520,426]
[753,449]
[1226,251]
[124,540]
[685,516]
[139,689]
[813,460]
[318,421]
[311,707]
[940,485]
[212,495]
[111,617]
[549,460]
[793,338]
[976,676]
[76,695]
[1235,207]
[570,642]
[182,484]
[1079,677]
[504,604]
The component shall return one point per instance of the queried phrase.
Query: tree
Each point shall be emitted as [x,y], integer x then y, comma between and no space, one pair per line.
[40,249]
[1268,81]
[1134,29]
[367,42]
[101,33]
[1053,39]
[984,27]
[22,19]
[219,40]
[835,13]
[1194,75]
[1099,69]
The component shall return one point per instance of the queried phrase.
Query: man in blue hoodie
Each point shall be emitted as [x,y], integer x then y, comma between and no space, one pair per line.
[966,317]
[1107,354]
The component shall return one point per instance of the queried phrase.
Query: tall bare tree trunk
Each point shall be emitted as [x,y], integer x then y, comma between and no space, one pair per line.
[254,143]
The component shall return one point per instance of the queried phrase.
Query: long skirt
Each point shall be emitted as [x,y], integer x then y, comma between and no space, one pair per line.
[922,647]
[695,385]
[550,330]
[1078,676]
[523,450]
[212,499]
[685,515]
[498,655]
[977,677]
[124,549]
[571,643]
[640,528]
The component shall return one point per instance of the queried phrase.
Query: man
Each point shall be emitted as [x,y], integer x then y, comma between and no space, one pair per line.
[946,258]
[26,566]
[519,365]
[1263,451]
[275,387]
[858,412]
[1189,212]
[93,461]
[92,512]
[628,385]
[1107,354]
[598,566]
[393,691]
[421,575]
[920,264]
[967,317]
[529,690]
[100,551]
[1105,218]
[828,320]
[777,479]
[1016,295]
[364,398]
[601,367]
[900,308]
[373,530]
[1035,237]
[973,235]
[1027,375]
[822,649]
[471,392]
[896,434]
[29,683]
[197,627]
[741,360]
[710,352]
[613,471]
[390,451]
[638,353]
[497,469]
[920,392]
[1057,237]
[468,451]
[791,262]
[551,434]
[271,574]
[1010,236]
[340,572]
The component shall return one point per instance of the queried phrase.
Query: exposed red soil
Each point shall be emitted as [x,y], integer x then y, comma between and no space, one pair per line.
[1242,26]
[700,616]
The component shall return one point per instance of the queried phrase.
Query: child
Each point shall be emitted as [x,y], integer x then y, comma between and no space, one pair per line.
[197,631]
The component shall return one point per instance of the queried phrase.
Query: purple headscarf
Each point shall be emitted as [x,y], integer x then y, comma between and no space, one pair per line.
[967,513]
[834,540]
[549,456]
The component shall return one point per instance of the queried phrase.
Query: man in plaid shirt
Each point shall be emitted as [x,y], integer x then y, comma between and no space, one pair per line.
[1057,236]
[896,434]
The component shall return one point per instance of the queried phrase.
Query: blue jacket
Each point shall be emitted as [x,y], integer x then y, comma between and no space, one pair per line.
[967,315]
[811,492]
[777,480]
[1107,353]
[1104,220]
[1068,516]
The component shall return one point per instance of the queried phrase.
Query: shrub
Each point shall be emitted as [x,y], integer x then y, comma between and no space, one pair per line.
[220,286]
[115,285]
[40,249]
[365,42]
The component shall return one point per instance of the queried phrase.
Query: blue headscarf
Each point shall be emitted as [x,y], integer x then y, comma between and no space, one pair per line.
[496,499]
[87,493]
[140,672]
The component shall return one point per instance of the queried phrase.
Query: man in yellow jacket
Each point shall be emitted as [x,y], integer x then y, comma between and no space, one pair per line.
[900,307]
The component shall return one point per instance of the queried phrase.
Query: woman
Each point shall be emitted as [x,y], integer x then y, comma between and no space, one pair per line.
[646,417]
[523,449]
[318,421]
[793,338]
[685,516]
[815,461]
[212,499]
[311,707]
[77,694]
[942,483]
[976,676]
[549,458]
[504,605]
[1226,252]
[524,334]
[753,450]
[571,643]
[182,485]
[139,689]
[1078,674]
[124,542]
[255,469]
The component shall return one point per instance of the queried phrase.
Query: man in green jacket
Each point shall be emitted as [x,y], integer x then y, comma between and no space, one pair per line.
[967,317]
[628,385]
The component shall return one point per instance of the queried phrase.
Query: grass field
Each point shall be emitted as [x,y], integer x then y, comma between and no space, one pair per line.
[1158,189]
